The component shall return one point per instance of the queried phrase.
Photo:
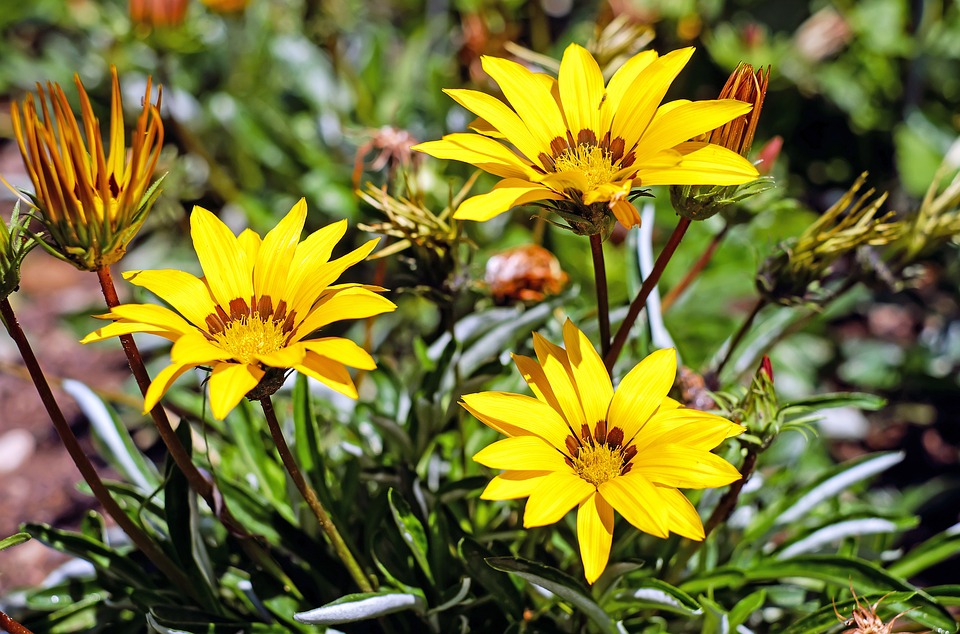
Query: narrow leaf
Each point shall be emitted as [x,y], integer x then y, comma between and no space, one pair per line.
[360,607]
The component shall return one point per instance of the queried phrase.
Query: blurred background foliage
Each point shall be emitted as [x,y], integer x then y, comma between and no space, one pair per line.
[289,98]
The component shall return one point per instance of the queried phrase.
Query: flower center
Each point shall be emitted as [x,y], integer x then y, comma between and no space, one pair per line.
[599,455]
[248,336]
[594,162]
[598,463]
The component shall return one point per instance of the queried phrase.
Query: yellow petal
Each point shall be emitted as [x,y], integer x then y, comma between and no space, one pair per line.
[349,303]
[683,467]
[553,498]
[250,243]
[529,97]
[638,501]
[589,373]
[595,534]
[534,376]
[325,274]
[230,382]
[161,383]
[313,252]
[224,263]
[522,453]
[188,294]
[686,121]
[287,357]
[512,485]
[518,415]
[640,101]
[500,116]
[702,164]
[556,367]
[581,90]
[329,372]
[681,514]
[508,193]
[276,253]
[152,315]
[343,351]
[688,427]
[642,391]
[196,349]
[626,213]
[620,83]
[486,154]
[118,328]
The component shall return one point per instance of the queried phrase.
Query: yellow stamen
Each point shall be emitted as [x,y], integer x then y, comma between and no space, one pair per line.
[594,162]
[247,337]
[598,463]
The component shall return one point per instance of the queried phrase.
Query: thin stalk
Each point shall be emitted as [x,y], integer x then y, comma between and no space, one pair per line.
[70,442]
[178,452]
[694,271]
[645,289]
[11,626]
[738,337]
[603,303]
[310,496]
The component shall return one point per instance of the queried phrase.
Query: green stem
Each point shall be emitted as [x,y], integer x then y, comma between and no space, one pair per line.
[310,496]
[603,303]
[645,289]
[72,445]
[178,452]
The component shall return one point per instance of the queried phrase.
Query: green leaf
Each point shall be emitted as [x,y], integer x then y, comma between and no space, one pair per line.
[475,558]
[361,607]
[864,576]
[837,531]
[13,540]
[746,607]
[655,594]
[559,583]
[931,552]
[859,400]
[411,530]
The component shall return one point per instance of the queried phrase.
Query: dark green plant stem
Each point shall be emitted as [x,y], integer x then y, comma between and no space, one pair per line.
[645,289]
[9,624]
[738,337]
[72,445]
[178,452]
[603,303]
[310,496]
[694,271]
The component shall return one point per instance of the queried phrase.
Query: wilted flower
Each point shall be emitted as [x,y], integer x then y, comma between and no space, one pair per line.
[92,203]
[698,202]
[865,620]
[158,12]
[251,316]
[579,443]
[584,147]
[393,148]
[526,273]
[15,243]
[794,274]
[618,41]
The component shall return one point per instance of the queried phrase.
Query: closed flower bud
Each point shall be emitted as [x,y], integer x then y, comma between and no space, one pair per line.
[15,243]
[92,201]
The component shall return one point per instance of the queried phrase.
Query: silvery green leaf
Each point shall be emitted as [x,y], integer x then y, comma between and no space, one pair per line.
[360,607]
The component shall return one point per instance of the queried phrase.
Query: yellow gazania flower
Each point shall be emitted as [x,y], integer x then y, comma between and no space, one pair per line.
[250,316]
[92,203]
[587,145]
[579,443]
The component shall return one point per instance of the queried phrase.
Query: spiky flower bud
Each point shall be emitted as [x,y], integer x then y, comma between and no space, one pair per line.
[699,202]
[92,203]
[796,273]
